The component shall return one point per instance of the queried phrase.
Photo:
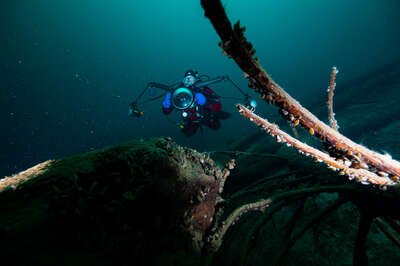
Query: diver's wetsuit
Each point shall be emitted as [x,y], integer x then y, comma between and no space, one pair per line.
[204,111]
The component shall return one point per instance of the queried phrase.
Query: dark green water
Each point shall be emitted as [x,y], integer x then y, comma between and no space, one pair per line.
[68,69]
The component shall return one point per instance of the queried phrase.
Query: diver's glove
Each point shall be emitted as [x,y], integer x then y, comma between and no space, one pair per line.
[200,98]
[167,101]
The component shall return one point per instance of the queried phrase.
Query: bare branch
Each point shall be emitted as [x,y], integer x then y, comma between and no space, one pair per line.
[361,175]
[236,46]
[215,239]
[331,92]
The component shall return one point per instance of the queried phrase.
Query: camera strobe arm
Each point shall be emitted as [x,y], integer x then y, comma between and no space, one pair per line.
[160,86]
[209,82]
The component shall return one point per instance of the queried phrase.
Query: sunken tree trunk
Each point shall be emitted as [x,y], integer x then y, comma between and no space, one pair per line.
[145,202]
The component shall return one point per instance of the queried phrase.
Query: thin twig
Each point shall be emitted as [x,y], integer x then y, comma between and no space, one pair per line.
[286,183]
[331,91]
[382,226]
[256,154]
[393,224]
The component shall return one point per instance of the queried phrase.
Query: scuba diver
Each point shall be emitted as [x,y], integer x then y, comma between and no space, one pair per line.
[196,103]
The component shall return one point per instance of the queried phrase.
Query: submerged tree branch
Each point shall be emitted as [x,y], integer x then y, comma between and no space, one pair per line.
[382,226]
[361,175]
[360,257]
[331,92]
[215,239]
[236,46]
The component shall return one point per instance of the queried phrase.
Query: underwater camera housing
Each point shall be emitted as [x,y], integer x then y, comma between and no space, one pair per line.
[182,98]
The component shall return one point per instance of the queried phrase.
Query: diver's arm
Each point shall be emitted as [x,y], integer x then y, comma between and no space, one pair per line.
[133,107]
[152,85]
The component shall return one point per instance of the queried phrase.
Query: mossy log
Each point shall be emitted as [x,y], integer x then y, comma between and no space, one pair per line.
[145,202]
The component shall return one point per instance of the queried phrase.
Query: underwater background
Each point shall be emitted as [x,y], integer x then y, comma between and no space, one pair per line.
[69,69]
